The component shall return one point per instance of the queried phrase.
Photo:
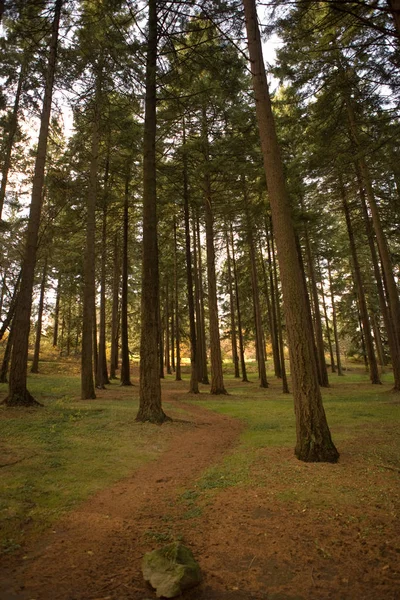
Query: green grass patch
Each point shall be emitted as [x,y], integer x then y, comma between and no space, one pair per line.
[54,457]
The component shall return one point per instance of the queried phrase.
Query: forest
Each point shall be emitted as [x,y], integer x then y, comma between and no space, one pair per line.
[199,296]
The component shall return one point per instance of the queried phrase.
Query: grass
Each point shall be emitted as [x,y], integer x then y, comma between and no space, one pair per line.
[55,457]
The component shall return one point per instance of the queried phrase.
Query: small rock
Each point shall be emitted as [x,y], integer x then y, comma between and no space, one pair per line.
[171,570]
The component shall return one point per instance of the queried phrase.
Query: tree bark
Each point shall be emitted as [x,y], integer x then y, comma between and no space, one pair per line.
[202,320]
[101,371]
[256,294]
[373,367]
[115,311]
[235,357]
[125,364]
[57,312]
[324,379]
[328,329]
[178,374]
[167,331]
[18,394]
[194,380]
[239,314]
[393,347]
[89,341]
[35,362]
[285,385]
[269,292]
[10,139]
[6,357]
[12,307]
[150,388]
[217,379]
[334,322]
[386,261]
[314,442]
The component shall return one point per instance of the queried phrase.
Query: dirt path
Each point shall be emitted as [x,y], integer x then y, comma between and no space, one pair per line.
[95,552]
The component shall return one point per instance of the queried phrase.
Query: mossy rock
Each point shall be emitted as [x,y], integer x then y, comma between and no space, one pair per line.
[171,570]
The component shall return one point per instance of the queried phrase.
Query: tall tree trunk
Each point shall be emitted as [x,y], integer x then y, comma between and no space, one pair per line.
[12,307]
[6,357]
[328,329]
[204,370]
[272,306]
[150,388]
[167,331]
[101,371]
[373,367]
[178,374]
[115,311]
[18,394]
[386,261]
[89,337]
[217,379]
[334,323]
[314,442]
[69,326]
[173,329]
[239,314]
[285,385]
[235,357]
[324,379]
[256,295]
[12,130]
[393,347]
[194,380]
[35,362]
[57,312]
[197,292]
[125,365]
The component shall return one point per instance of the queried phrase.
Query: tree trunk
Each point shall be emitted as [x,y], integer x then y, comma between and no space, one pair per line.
[57,312]
[125,365]
[393,347]
[235,357]
[202,322]
[285,385]
[35,362]
[150,388]
[239,314]
[334,323]
[69,327]
[217,380]
[324,379]
[115,311]
[373,367]
[256,294]
[12,307]
[178,375]
[271,307]
[167,331]
[6,357]
[328,329]
[314,441]
[18,394]
[194,381]
[89,341]
[10,138]
[387,266]
[101,371]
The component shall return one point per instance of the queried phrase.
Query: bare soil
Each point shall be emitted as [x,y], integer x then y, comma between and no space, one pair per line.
[252,543]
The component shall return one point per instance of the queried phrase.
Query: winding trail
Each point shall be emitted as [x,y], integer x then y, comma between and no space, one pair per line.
[95,552]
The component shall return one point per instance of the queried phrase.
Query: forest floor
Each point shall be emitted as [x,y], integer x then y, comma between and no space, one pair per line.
[222,478]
